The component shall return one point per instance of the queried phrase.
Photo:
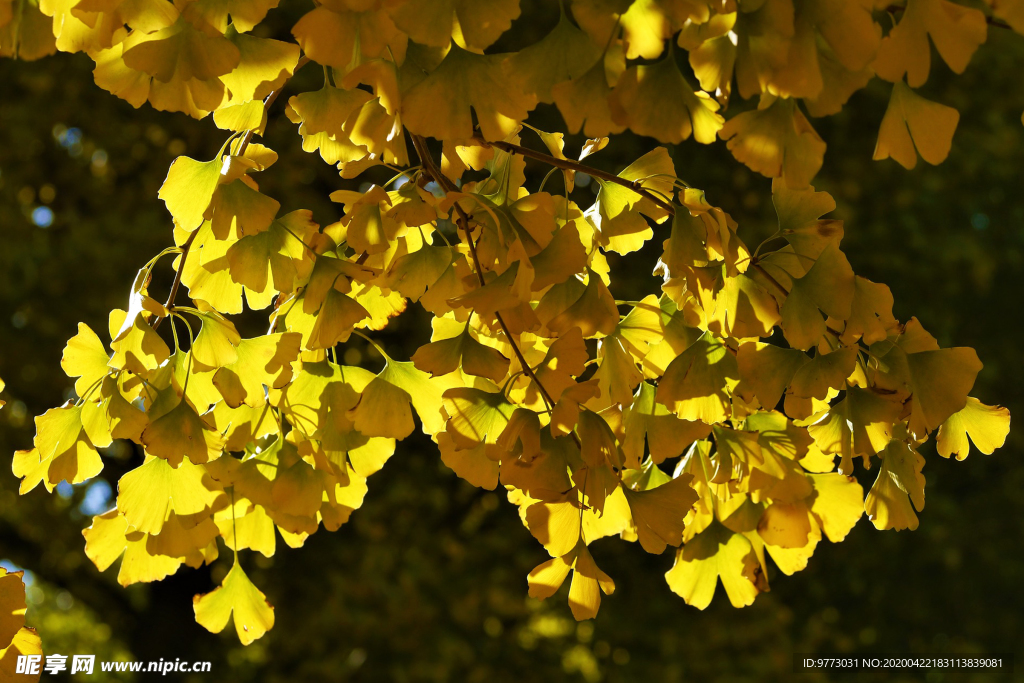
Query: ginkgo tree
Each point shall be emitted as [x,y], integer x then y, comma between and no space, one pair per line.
[722,415]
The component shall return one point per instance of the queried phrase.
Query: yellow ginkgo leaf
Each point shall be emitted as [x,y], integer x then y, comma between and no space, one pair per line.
[564,54]
[594,313]
[987,426]
[955,30]
[149,493]
[446,355]
[216,345]
[238,597]
[912,122]
[431,22]
[697,385]
[476,417]
[472,464]
[12,605]
[777,141]
[272,261]
[411,274]
[937,379]
[648,23]
[667,435]
[838,505]
[656,100]
[262,361]
[860,424]
[556,523]
[439,105]
[828,286]
[85,358]
[888,503]
[588,582]
[715,553]
[108,538]
[188,189]
[768,369]
[658,512]
[26,34]
[244,14]
[25,643]
[181,433]
[583,102]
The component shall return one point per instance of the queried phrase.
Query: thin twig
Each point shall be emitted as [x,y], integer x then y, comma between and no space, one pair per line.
[246,139]
[448,186]
[570,165]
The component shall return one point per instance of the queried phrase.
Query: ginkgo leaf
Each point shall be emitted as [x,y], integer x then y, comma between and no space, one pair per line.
[777,141]
[829,287]
[236,597]
[12,605]
[594,313]
[716,553]
[955,30]
[446,355]
[476,417]
[656,100]
[563,54]
[239,210]
[768,369]
[987,426]
[85,358]
[261,361]
[439,105]
[188,189]
[181,433]
[914,123]
[588,581]
[109,538]
[937,379]
[838,505]
[244,15]
[698,383]
[385,408]
[888,503]
[149,493]
[216,345]
[431,23]
[860,424]
[472,464]
[583,102]
[647,23]
[555,524]
[667,436]
[658,512]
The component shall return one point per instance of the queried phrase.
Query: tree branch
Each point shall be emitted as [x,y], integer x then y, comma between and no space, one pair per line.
[246,139]
[570,165]
[448,186]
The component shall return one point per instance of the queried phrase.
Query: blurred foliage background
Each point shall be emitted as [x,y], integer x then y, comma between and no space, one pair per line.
[428,580]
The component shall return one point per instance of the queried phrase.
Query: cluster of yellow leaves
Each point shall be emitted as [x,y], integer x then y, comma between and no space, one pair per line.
[670,421]
[16,639]
[535,378]
[421,65]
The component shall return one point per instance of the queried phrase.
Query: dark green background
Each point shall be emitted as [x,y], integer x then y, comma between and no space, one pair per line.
[427,582]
